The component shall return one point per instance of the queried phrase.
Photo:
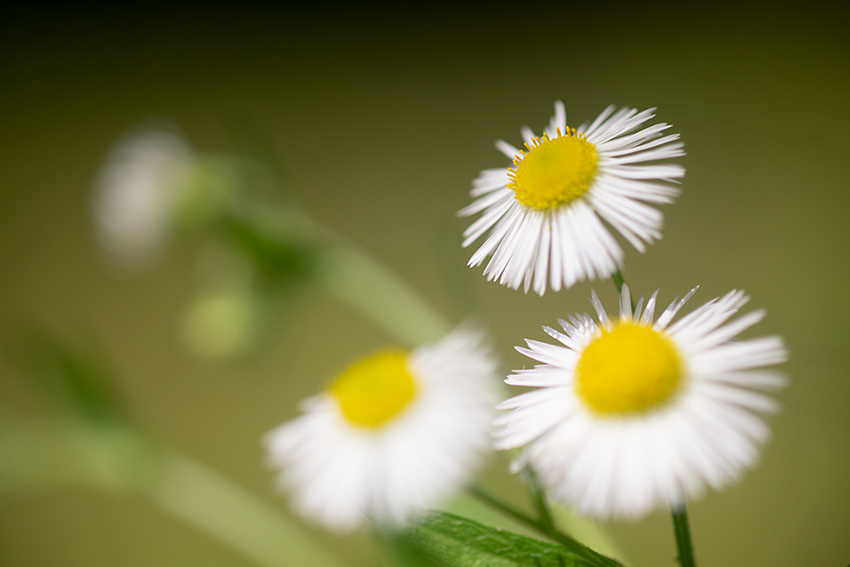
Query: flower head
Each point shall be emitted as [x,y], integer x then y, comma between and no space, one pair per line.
[633,413]
[134,194]
[396,432]
[544,214]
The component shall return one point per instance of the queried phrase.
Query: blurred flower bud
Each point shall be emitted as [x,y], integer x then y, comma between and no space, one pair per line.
[134,192]
[223,323]
[205,189]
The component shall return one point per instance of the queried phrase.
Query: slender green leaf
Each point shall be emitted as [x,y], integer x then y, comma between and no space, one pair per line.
[74,379]
[457,542]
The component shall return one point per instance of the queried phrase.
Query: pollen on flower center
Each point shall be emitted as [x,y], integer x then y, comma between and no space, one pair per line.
[628,369]
[554,171]
[374,390]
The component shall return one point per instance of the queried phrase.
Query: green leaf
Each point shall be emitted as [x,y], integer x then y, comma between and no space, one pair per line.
[457,542]
[399,551]
[73,378]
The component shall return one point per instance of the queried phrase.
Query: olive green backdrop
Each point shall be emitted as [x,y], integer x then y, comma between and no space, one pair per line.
[381,119]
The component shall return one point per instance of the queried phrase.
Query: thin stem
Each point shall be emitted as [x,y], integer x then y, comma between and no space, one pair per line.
[45,456]
[501,506]
[546,528]
[213,504]
[538,498]
[619,282]
[348,273]
[617,278]
[683,535]
[354,277]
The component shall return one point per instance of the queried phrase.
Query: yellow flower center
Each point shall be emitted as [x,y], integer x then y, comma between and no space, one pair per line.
[628,369]
[554,171]
[374,390]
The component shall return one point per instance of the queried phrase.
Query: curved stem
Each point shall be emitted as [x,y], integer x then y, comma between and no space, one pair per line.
[501,506]
[203,498]
[355,278]
[49,456]
[344,271]
[538,498]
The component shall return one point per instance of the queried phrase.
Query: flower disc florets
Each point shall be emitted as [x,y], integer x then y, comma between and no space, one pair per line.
[629,369]
[553,171]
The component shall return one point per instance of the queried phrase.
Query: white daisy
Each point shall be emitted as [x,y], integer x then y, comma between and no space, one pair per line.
[134,194]
[635,413]
[395,432]
[544,213]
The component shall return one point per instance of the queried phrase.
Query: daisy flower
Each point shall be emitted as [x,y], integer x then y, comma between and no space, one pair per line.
[394,433]
[634,413]
[544,215]
[134,194]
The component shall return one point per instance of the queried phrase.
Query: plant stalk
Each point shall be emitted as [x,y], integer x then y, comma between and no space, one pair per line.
[683,535]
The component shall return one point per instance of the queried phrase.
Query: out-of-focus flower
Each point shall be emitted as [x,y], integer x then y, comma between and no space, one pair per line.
[396,432]
[135,194]
[544,215]
[635,413]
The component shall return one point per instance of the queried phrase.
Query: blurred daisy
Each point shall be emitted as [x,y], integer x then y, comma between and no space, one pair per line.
[543,214]
[636,413]
[135,193]
[395,432]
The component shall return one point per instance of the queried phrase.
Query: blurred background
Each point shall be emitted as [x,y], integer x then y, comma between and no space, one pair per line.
[378,120]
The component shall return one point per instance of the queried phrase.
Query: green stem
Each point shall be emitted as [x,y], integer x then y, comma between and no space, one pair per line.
[545,528]
[683,535]
[213,504]
[46,456]
[619,282]
[355,278]
[499,505]
[617,278]
[538,497]
[346,272]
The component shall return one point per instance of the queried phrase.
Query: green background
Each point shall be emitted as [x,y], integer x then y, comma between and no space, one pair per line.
[381,118]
